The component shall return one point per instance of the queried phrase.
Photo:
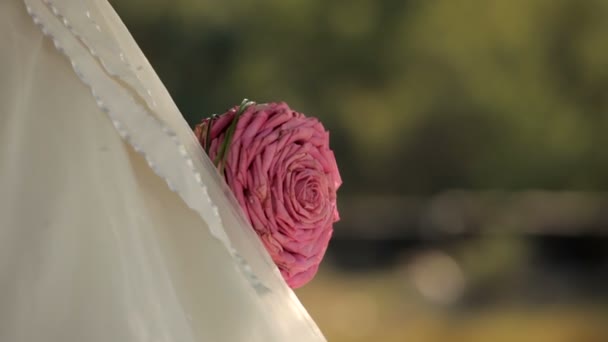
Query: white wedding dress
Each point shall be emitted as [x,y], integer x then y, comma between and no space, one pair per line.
[114,226]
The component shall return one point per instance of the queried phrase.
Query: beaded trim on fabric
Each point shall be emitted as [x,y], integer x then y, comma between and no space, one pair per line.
[119,93]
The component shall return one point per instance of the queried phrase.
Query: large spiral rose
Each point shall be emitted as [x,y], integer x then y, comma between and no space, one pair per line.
[285,178]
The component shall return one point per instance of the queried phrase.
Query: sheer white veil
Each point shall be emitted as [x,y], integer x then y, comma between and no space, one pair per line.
[114,226]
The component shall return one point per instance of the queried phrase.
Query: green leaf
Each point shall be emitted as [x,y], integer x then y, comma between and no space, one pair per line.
[208,134]
[220,158]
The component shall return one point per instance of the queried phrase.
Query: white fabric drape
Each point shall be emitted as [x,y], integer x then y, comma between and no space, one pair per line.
[114,226]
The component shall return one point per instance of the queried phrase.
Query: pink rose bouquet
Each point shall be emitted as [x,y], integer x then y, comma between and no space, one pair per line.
[280,168]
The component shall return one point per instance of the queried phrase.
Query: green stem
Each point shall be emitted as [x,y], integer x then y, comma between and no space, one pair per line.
[220,158]
[208,136]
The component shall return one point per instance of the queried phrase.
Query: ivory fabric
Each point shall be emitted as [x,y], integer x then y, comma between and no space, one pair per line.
[114,226]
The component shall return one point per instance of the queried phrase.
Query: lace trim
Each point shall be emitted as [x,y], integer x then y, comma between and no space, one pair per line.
[113,61]
[148,131]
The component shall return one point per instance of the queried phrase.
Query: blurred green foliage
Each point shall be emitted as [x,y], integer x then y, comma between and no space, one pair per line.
[420,96]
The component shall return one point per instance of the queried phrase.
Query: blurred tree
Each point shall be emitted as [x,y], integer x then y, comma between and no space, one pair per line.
[420,96]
